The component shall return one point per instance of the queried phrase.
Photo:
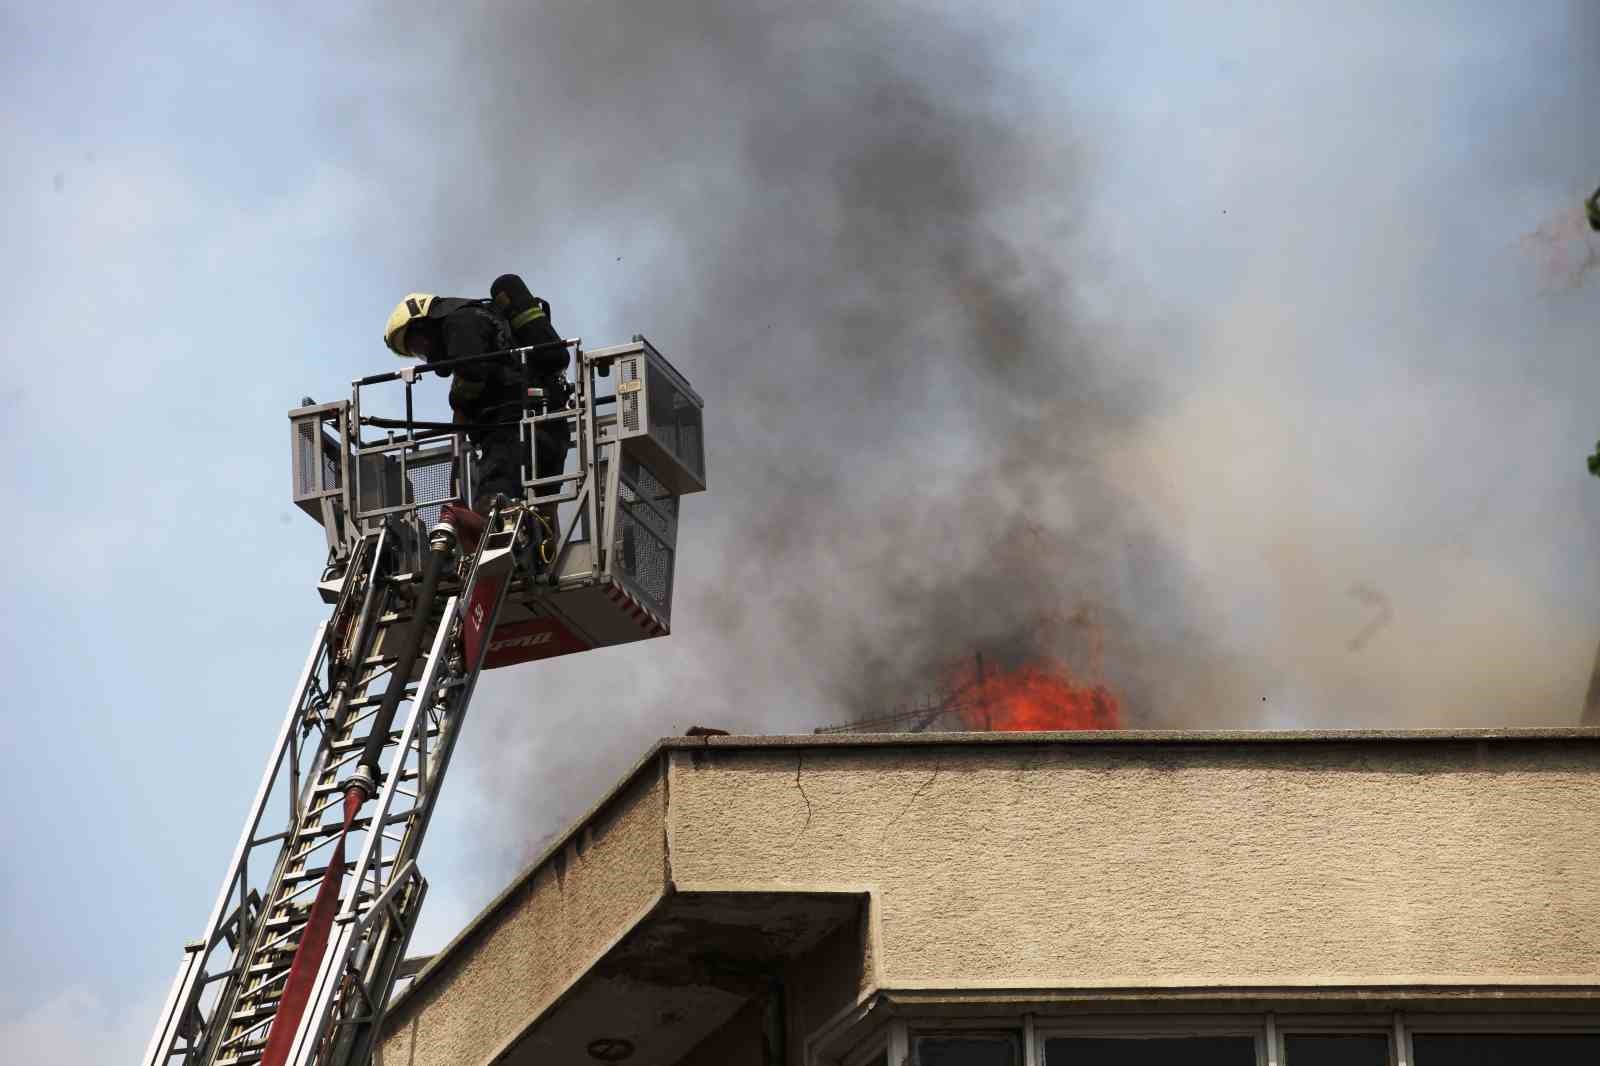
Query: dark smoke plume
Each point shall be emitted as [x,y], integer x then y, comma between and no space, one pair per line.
[864,236]
[859,262]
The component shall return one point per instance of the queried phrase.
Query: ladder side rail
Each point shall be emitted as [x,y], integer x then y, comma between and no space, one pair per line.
[358,634]
[357,642]
[325,996]
[457,696]
[495,562]
[188,986]
[250,945]
[355,1045]
[164,1043]
[391,932]
[370,862]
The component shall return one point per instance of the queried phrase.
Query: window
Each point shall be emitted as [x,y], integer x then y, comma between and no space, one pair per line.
[974,1050]
[1353,1036]
[1150,1051]
[1496,1049]
[1336,1049]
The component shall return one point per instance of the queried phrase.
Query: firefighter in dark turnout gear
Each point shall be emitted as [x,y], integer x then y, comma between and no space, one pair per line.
[489,396]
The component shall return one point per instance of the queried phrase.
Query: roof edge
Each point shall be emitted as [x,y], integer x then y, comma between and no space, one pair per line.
[1135,736]
[1155,737]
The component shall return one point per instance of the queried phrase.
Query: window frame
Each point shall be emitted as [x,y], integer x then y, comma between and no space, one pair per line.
[896,1038]
[1152,1026]
[976,1028]
[1280,1047]
[1511,1024]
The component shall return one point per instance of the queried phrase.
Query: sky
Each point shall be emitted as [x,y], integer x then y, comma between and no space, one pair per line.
[1260,333]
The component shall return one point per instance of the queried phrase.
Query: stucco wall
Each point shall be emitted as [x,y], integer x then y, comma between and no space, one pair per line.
[539,938]
[1069,865]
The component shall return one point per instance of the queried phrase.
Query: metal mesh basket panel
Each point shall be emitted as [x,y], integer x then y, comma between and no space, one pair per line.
[675,421]
[628,402]
[643,560]
[305,457]
[431,483]
[646,535]
[638,482]
[316,466]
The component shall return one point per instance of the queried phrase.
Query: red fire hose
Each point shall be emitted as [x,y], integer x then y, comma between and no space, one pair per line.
[313,943]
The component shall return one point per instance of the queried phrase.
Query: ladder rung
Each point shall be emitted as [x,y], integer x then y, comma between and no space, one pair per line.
[320,830]
[298,917]
[315,874]
[261,969]
[250,1053]
[246,1015]
[278,925]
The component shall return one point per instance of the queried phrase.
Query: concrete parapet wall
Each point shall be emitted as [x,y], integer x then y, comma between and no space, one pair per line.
[1205,865]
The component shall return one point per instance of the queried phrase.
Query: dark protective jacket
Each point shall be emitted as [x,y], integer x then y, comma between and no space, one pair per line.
[495,391]
[473,327]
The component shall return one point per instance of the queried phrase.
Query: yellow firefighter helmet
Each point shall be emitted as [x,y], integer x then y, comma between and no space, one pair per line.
[407,311]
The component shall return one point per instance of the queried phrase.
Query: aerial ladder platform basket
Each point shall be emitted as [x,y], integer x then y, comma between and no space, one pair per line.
[309,931]
[610,568]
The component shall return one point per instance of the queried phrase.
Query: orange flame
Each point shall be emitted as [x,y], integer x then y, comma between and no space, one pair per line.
[1035,696]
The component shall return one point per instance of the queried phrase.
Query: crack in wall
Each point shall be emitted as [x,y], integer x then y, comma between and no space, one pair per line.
[938,764]
[799,763]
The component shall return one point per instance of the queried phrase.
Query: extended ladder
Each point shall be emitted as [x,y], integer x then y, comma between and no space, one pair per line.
[308,934]
[230,984]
